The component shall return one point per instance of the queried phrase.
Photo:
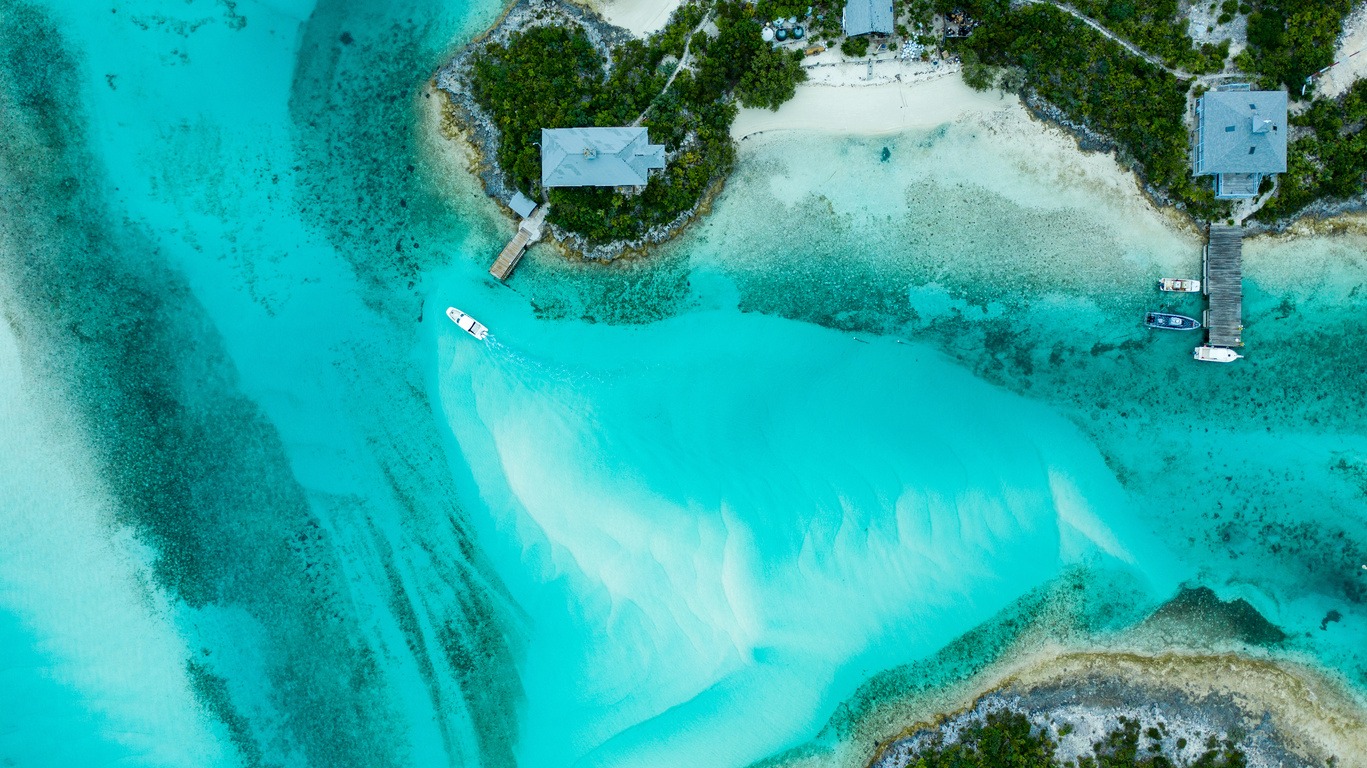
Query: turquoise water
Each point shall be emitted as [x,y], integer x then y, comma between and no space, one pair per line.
[703,517]
[266,507]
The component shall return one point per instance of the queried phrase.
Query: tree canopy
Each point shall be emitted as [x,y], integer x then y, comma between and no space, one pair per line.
[551,77]
[1006,739]
[1289,40]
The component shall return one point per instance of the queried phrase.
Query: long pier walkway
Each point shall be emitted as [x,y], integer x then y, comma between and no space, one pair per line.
[1224,286]
[528,232]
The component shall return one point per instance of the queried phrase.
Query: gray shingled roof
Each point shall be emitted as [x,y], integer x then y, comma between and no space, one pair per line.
[1242,132]
[597,157]
[522,205]
[864,16]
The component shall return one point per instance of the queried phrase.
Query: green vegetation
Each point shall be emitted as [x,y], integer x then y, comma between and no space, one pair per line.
[551,77]
[854,47]
[1036,49]
[1329,162]
[1155,26]
[999,740]
[824,21]
[1289,40]
[1093,81]
[1125,748]
[823,24]
[1007,740]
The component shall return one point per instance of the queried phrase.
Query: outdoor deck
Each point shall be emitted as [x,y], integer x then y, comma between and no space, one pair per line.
[528,232]
[1224,287]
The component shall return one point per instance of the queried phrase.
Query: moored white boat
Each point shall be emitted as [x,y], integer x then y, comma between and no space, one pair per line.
[1179,285]
[466,323]
[1211,354]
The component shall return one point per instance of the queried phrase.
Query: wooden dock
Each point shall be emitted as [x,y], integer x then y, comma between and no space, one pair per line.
[1224,286]
[528,232]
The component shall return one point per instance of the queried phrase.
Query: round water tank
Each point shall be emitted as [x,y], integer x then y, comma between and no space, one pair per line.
[781,35]
[766,34]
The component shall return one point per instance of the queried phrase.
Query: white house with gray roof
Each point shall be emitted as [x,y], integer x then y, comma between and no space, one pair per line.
[862,17]
[598,157]
[1241,137]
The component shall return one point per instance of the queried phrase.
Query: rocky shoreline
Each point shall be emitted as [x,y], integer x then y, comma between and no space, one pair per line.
[474,125]
[1318,211]
[1089,140]
[1077,716]
[470,123]
[1082,699]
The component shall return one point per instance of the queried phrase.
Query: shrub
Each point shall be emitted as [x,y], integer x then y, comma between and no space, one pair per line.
[551,77]
[1289,40]
[1330,161]
[854,47]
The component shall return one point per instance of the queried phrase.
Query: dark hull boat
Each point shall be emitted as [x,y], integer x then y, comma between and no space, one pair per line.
[1169,322]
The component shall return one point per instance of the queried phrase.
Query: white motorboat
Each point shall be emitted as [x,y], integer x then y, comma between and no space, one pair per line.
[466,323]
[1211,354]
[1179,285]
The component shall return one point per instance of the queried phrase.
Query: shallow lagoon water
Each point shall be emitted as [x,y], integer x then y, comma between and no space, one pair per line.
[677,512]
[965,258]
[737,518]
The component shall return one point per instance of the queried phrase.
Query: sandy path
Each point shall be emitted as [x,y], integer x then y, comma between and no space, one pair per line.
[1126,44]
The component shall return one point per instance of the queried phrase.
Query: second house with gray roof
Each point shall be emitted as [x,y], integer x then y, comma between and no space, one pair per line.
[1241,137]
[864,17]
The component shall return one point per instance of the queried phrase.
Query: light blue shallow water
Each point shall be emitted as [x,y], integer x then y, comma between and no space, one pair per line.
[736,519]
[674,513]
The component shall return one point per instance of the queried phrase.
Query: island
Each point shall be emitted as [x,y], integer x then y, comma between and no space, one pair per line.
[1132,75]
[622,139]
[1100,709]
[1135,79]
[876,465]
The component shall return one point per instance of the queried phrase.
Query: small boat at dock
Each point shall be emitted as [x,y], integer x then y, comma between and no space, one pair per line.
[1169,322]
[466,323]
[1179,285]
[1211,354]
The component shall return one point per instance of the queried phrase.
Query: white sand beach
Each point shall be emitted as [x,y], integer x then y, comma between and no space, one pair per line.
[871,110]
[640,17]
[1350,58]
[845,97]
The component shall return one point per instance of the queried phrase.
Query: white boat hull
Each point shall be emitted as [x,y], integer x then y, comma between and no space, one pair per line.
[1209,354]
[1179,285]
[466,323]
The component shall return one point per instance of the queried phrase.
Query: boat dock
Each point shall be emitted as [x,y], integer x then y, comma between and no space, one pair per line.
[528,232]
[1223,286]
